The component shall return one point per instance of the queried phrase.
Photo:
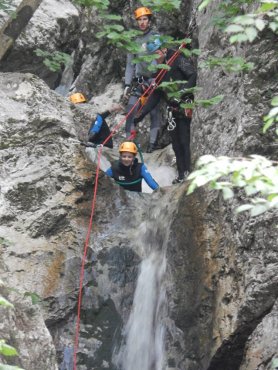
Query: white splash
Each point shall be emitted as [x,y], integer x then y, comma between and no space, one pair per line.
[145,331]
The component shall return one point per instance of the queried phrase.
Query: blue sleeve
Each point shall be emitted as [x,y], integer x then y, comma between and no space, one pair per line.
[96,126]
[109,172]
[148,178]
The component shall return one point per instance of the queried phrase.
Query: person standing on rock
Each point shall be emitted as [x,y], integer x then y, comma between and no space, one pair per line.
[178,119]
[138,78]
[128,172]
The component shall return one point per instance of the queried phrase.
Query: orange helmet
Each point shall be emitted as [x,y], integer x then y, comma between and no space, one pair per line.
[128,146]
[142,11]
[77,98]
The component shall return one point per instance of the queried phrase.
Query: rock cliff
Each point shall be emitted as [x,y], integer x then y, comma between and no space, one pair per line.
[221,268]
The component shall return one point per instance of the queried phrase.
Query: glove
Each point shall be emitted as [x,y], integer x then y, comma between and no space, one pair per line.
[188,112]
[91,136]
[126,91]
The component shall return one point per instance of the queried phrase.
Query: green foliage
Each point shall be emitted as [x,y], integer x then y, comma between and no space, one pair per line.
[205,103]
[4,302]
[158,5]
[190,52]
[173,90]
[6,6]
[7,350]
[35,298]
[53,61]
[98,4]
[203,4]
[118,36]
[229,64]
[272,117]
[247,27]
[4,241]
[228,9]
[256,175]
[274,364]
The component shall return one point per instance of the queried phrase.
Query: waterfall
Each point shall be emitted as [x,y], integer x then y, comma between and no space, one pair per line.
[67,78]
[144,333]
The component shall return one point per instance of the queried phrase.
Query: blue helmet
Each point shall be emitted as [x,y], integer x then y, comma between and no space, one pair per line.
[154,45]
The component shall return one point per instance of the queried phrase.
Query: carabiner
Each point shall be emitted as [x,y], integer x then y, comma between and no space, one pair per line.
[171,120]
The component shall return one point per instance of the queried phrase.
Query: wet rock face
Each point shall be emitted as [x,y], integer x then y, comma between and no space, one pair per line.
[225,266]
[46,194]
[53,27]
[226,128]
[23,327]
[224,270]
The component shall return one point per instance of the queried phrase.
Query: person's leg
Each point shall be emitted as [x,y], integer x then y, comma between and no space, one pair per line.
[178,150]
[129,125]
[184,137]
[155,124]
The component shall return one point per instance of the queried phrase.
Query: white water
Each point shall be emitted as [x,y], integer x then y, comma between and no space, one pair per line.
[144,334]
[67,78]
[93,155]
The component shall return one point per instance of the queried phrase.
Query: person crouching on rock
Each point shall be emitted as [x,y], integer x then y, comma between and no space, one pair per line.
[99,130]
[128,172]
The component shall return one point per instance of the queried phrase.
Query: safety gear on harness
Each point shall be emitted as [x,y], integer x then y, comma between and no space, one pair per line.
[128,146]
[171,120]
[127,91]
[154,45]
[142,11]
[188,111]
[77,98]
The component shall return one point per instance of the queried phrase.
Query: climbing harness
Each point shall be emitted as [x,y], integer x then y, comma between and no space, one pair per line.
[171,120]
[128,183]
[148,91]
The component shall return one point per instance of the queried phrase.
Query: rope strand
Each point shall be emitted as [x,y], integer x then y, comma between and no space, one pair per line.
[149,91]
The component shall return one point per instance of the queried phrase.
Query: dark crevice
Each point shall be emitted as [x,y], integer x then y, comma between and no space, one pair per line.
[230,355]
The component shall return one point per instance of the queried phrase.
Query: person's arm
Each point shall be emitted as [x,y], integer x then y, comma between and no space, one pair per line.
[95,126]
[188,70]
[148,178]
[109,172]
[152,102]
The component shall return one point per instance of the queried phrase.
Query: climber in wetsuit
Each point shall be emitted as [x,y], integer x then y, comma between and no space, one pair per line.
[179,119]
[99,129]
[128,172]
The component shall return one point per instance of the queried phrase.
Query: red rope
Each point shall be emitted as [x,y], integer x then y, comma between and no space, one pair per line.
[148,92]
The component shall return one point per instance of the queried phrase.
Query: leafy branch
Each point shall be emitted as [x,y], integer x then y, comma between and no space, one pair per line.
[228,64]
[247,27]
[256,175]
[5,349]
[54,61]
[98,4]
[166,5]
[272,116]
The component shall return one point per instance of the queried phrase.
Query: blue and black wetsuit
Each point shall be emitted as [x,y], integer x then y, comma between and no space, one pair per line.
[130,177]
[99,131]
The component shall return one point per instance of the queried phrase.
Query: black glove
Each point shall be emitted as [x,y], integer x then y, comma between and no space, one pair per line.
[91,136]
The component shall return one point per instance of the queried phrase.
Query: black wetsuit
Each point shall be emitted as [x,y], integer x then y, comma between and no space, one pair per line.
[99,131]
[181,70]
